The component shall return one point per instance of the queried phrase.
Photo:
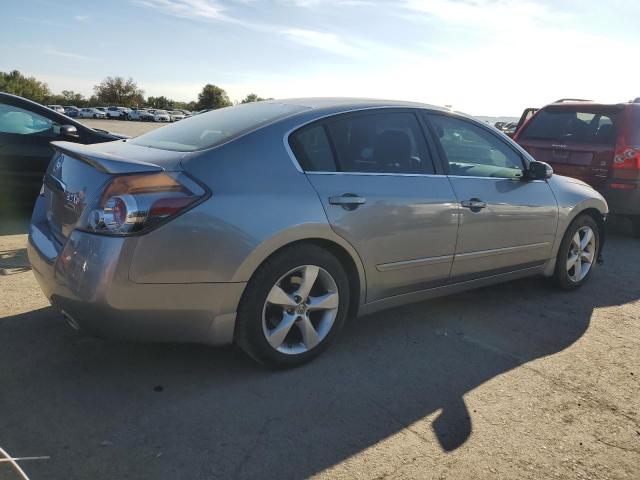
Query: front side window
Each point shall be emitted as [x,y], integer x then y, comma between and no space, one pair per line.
[472,151]
[23,122]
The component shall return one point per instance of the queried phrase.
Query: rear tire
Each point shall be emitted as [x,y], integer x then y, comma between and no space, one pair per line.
[293,307]
[578,253]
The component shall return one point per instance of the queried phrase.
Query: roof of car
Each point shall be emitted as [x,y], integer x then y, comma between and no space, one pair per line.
[351,102]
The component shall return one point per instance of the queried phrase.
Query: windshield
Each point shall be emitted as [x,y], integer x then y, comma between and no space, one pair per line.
[591,125]
[215,127]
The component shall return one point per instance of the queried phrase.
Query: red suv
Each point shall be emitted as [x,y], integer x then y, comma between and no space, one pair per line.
[596,143]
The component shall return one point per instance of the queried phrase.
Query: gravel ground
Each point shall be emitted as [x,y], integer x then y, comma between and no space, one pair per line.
[513,381]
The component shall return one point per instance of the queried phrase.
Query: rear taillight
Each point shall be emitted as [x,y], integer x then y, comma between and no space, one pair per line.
[139,202]
[627,158]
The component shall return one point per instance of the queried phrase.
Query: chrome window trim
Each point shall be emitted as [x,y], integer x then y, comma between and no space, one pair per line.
[377,174]
[294,160]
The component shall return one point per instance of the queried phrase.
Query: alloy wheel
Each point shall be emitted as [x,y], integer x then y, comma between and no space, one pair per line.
[581,255]
[300,310]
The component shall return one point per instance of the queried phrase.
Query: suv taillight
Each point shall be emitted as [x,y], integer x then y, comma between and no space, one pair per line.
[139,202]
[627,158]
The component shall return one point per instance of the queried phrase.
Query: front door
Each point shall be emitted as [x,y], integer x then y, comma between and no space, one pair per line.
[24,153]
[375,177]
[506,223]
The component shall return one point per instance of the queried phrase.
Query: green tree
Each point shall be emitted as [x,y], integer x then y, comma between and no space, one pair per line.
[28,87]
[212,97]
[119,91]
[252,97]
[162,103]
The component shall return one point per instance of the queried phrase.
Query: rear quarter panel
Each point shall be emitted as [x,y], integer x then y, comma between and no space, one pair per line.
[259,203]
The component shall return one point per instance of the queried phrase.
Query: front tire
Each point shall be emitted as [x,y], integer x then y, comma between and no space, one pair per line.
[293,307]
[578,253]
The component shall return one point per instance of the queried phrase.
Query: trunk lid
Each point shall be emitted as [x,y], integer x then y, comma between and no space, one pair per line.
[78,173]
[577,140]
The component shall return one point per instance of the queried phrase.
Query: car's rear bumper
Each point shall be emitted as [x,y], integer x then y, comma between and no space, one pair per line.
[87,279]
[622,201]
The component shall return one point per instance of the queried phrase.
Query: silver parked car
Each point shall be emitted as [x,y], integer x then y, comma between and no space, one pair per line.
[267,224]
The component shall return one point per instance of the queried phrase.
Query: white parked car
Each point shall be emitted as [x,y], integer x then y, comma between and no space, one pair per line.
[161,116]
[91,113]
[176,115]
[118,113]
[56,108]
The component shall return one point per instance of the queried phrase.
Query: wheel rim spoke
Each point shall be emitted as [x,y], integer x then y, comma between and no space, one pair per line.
[325,302]
[576,240]
[309,276]
[277,335]
[587,256]
[578,271]
[310,336]
[571,262]
[277,296]
[586,239]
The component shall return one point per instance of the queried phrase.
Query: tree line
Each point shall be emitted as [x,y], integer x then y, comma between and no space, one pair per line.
[117,91]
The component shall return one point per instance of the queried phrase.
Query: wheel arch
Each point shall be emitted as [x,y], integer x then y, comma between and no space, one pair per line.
[591,207]
[322,238]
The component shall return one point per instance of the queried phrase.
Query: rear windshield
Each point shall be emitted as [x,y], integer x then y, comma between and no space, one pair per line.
[594,126]
[215,127]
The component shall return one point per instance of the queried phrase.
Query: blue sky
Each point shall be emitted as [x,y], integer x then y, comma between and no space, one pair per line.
[484,57]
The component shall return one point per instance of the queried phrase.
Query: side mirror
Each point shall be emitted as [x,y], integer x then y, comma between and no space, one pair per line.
[538,171]
[68,131]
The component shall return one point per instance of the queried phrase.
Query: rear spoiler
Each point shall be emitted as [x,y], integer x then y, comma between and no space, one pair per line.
[105,162]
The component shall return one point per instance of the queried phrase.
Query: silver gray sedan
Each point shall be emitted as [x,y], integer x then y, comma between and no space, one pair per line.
[268,224]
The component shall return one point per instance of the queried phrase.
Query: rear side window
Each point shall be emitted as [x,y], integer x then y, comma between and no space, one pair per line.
[380,143]
[215,127]
[312,149]
[594,126]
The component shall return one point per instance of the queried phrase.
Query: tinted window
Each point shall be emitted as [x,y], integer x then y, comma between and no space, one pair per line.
[380,143]
[591,126]
[311,148]
[215,127]
[20,121]
[470,150]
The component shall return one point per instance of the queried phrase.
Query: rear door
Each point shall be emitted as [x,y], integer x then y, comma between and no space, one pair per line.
[375,176]
[506,223]
[577,140]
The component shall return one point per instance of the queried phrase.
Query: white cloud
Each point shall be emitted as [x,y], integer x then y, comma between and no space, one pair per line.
[81,18]
[328,42]
[61,53]
[193,9]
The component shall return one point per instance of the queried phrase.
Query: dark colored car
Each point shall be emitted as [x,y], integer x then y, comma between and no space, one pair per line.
[593,142]
[26,128]
[71,111]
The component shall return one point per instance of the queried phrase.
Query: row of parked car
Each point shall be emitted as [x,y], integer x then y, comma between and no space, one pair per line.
[122,113]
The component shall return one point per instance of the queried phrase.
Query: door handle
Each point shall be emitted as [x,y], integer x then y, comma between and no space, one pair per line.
[474,204]
[348,201]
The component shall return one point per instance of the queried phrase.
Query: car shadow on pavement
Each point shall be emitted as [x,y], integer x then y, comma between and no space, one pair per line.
[105,409]
[14,261]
